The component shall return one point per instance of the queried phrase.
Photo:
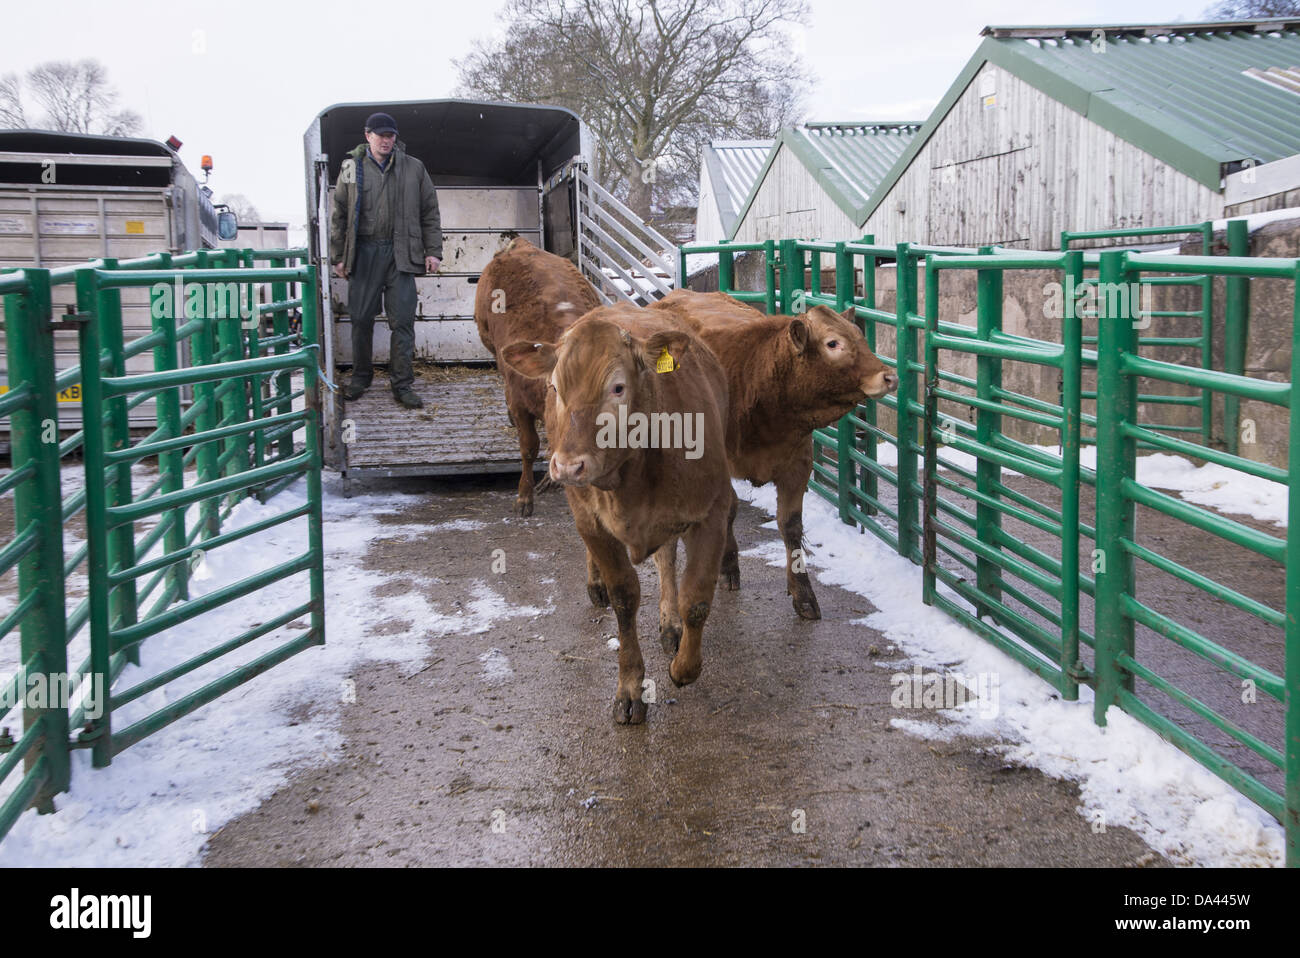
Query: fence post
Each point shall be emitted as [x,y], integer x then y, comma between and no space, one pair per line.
[791,275]
[312,400]
[845,435]
[98,731]
[1116,461]
[988,378]
[166,355]
[1292,652]
[122,537]
[929,546]
[905,307]
[726,270]
[769,258]
[282,385]
[29,342]
[1236,328]
[1071,387]
[205,460]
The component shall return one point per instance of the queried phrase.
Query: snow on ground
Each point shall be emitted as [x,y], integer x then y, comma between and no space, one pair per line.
[1128,776]
[1212,485]
[160,799]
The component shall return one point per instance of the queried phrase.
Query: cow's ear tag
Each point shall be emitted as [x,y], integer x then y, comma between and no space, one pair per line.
[665,364]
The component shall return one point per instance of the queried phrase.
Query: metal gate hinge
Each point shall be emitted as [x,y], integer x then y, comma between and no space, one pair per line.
[71,320]
[6,740]
[1079,673]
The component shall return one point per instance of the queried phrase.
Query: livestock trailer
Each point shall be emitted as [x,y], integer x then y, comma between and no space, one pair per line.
[499,170]
[67,198]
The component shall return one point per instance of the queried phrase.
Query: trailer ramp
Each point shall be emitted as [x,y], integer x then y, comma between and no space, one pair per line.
[463,428]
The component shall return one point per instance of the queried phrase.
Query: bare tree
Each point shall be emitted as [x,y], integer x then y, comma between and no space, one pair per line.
[1253,9]
[654,79]
[75,96]
[12,115]
[243,208]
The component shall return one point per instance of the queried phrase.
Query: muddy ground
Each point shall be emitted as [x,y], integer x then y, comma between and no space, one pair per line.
[788,725]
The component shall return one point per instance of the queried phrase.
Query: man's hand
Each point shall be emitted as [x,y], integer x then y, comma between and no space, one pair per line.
[340,271]
[431,264]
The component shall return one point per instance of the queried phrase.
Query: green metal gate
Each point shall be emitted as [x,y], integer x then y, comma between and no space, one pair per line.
[1010,547]
[225,408]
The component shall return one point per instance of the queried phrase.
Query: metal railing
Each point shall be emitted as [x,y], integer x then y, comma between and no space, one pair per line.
[1009,544]
[617,249]
[226,413]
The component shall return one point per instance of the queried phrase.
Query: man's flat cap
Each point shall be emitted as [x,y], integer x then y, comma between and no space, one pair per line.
[381,123]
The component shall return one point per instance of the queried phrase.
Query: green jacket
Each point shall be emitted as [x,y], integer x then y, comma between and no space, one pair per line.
[417,227]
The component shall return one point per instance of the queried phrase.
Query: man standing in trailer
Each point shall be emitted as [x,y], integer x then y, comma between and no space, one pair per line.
[384,230]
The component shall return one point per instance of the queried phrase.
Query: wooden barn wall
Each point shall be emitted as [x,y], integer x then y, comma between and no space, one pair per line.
[791,205]
[1018,173]
[708,221]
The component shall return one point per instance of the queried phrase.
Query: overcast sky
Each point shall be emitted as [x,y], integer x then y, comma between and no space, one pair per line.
[242,80]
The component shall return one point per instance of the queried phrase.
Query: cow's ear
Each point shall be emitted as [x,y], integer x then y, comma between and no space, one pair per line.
[665,347]
[534,360]
[798,335]
[851,314]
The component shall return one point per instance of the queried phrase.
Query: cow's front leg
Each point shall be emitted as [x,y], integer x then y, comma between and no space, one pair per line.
[528,446]
[790,486]
[624,587]
[731,554]
[705,543]
[670,619]
[596,590]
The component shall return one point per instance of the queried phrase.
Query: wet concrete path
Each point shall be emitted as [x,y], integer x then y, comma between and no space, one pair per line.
[781,754]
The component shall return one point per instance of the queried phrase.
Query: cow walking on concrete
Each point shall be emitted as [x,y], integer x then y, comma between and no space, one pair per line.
[635,417]
[786,376]
[526,293]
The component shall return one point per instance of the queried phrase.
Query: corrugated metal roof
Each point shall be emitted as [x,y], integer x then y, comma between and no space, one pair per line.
[733,167]
[1189,83]
[848,160]
[1178,91]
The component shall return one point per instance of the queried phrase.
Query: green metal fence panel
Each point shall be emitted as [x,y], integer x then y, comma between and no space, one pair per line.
[216,381]
[36,548]
[1026,599]
[1021,598]
[1203,313]
[1121,606]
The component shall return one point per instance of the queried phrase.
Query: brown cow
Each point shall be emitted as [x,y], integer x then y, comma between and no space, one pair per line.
[786,376]
[520,296]
[615,372]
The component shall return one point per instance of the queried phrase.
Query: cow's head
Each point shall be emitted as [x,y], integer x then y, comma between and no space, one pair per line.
[596,367]
[832,367]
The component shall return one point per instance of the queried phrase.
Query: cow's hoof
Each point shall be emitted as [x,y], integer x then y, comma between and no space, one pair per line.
[731,579]
[598,594]
[670,637]
[806,606]
[629,711]
[682,675]
[524,506]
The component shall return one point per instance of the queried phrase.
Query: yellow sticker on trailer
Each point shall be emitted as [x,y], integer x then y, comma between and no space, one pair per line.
[71,394]
[135,226]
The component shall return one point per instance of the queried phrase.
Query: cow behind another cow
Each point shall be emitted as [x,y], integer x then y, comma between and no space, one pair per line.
[786,376]
[630,489]
[521,295]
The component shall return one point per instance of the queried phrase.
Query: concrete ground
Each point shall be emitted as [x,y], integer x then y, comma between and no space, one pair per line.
[781,754]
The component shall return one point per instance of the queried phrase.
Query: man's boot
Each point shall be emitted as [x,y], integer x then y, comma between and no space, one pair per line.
[409,399]
[354,390]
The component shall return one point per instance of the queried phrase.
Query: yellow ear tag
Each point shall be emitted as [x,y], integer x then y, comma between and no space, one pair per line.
[665,364]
